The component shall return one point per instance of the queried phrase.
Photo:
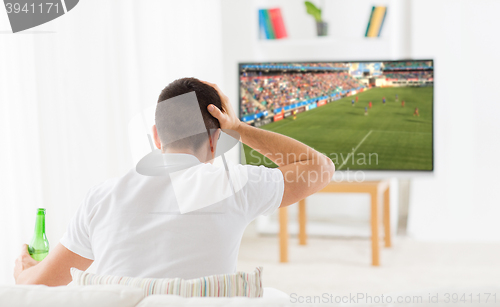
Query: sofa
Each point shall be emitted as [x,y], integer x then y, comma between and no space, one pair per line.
[127,296]
[122,296]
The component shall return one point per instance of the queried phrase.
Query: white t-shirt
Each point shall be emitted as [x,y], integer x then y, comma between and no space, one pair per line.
[133,226]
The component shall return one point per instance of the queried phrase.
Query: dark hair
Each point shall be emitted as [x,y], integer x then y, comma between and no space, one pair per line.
[170,126]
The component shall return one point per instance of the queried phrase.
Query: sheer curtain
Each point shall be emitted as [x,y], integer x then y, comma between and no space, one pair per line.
[68,90]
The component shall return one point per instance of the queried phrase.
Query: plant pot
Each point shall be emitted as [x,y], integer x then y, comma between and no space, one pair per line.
[322,28]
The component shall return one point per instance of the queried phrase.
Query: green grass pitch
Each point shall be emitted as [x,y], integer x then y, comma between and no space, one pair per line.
[390,137]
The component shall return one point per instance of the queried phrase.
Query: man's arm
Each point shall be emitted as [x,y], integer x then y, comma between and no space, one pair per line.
[304,169]
[51,271]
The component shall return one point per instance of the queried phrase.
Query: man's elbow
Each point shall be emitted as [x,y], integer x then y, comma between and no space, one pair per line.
[33,282]
[23,281]
[26,279]
[328,170]
[332,168]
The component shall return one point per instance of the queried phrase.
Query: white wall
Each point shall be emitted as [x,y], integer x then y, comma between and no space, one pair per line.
[462,201]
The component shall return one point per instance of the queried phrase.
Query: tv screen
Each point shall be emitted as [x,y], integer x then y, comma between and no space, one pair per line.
[364,115]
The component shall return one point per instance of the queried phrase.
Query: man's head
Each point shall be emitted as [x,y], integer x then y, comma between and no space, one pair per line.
[173,122]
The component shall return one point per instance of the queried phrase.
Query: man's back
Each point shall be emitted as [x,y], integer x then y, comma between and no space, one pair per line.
[133,226]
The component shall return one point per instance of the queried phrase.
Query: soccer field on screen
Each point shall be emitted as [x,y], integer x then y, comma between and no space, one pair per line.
[389,137]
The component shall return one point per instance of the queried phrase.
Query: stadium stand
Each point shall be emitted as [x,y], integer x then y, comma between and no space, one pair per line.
[409,65]
[410,75]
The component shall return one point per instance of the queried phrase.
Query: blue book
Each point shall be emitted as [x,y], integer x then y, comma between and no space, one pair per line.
[268,25]
[262,26]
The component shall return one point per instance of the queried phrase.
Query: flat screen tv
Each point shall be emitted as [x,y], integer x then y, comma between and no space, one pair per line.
[364,115]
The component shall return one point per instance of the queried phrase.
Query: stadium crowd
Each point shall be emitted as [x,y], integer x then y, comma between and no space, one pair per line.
[407,65]
[340,65]
[261,93]
[408,75]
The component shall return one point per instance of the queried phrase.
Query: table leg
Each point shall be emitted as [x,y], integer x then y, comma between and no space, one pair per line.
[283,234]
[302,222]
[387,218]
[374,224]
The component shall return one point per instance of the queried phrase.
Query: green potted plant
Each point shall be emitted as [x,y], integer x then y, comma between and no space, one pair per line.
[315,12]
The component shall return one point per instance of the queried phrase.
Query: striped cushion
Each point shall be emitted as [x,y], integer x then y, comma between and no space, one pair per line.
[226,285]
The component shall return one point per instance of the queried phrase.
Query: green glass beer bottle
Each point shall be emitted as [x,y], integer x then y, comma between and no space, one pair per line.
[39,246]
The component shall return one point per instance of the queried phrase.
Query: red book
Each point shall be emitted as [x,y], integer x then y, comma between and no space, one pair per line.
[277,22]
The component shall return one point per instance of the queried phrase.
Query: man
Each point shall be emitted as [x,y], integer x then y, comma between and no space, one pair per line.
[352,102]
[370,104]
[132,225]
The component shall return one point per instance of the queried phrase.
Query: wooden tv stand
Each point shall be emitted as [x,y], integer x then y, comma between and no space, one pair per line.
[375,188]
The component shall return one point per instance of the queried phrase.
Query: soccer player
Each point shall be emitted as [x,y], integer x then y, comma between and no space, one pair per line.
[370,104]
[357,99]
[403,103]
[352,102]
[383,100]
[366,110]
[294,112]
[397,98]
[416,112]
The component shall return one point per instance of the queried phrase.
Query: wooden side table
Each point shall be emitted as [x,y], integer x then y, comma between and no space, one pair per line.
[375,188]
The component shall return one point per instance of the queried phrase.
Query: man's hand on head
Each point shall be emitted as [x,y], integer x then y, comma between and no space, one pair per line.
[227,117]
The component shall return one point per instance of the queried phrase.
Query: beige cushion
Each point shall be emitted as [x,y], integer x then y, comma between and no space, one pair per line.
[177,301]
[227,285]
[271,297]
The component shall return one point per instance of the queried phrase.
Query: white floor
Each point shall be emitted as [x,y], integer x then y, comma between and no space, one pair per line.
[342,266]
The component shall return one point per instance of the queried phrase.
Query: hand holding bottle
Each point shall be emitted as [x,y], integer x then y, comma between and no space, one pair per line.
[23,262]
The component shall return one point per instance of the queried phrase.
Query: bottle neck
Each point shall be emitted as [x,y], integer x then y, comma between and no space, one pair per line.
[40,224]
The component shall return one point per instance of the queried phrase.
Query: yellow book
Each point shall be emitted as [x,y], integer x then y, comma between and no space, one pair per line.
[376,20]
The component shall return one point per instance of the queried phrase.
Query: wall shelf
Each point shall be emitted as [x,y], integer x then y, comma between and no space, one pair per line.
[325,40]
